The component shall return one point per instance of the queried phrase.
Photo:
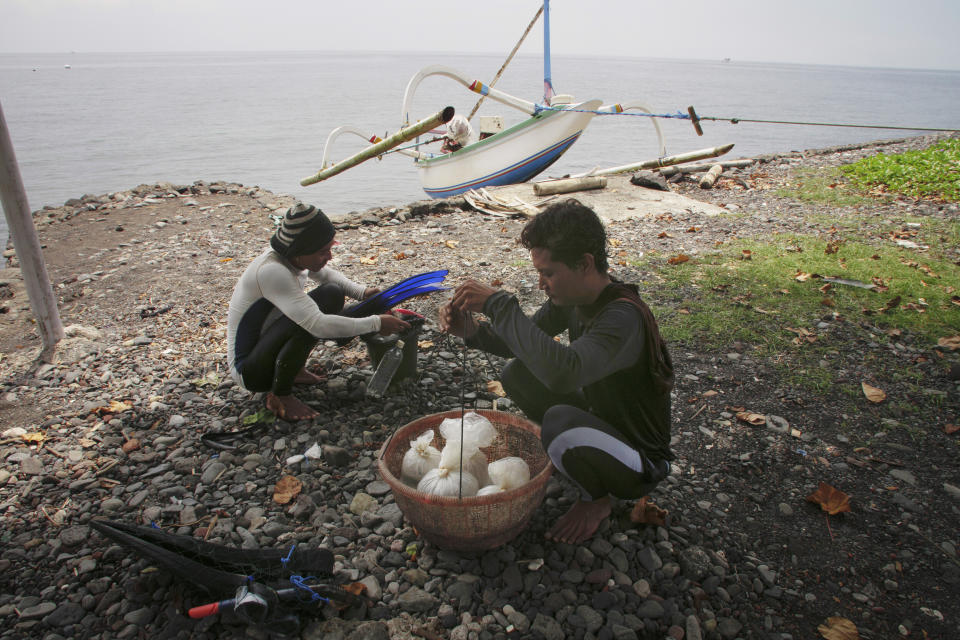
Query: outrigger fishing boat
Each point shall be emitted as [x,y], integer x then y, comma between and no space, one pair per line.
[497,156]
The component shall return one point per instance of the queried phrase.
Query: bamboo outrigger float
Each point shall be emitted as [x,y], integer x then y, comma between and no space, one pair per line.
[381,146]
[509,156]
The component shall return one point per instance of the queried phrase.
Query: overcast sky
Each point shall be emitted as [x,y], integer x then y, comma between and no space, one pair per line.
[886,33]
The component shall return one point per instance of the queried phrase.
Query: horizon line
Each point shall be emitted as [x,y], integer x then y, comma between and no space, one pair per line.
[724,60]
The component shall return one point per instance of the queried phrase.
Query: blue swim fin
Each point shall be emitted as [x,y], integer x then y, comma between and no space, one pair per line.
[403,290]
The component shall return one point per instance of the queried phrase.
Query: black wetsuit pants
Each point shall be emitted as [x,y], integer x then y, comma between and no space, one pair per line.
[284,346]
[586,449]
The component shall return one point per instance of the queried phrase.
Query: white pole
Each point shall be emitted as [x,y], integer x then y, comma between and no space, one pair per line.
[20,222]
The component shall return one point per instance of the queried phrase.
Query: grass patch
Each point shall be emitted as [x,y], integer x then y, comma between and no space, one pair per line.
[933,172]
[772,295]
[823,186]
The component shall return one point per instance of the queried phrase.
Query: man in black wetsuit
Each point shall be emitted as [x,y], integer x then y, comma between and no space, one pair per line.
[603,402]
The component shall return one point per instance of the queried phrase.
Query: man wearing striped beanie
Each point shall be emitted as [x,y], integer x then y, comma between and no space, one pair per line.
[273,323]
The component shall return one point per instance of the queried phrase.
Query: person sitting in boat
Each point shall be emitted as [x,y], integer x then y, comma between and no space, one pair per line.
[459,134]
[603,401]
[273,323]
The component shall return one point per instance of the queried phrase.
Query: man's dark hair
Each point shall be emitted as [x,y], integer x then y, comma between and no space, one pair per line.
[568,229]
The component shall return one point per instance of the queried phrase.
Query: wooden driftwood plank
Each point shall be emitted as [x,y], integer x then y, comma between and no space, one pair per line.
[706,182]
[569,184]
[666,172]
[690,156]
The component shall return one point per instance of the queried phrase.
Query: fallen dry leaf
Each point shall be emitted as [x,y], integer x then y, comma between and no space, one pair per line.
[115,406]
[952,343]
[130,445]
[709,394]
[872,393]
[756,419]
[838,628]
[950,429]
[496,388]
[664,234]
[746,254]
[830,499]
[33,436]
[425,344]
[368,260]
[451,244]
[678,259]
[645,512]
[804,336]
[286,489]
[225,259]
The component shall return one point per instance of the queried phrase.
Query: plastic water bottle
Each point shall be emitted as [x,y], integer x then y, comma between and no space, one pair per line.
[389,363]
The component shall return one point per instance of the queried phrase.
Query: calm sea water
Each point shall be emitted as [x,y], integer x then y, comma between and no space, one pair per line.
[113,121]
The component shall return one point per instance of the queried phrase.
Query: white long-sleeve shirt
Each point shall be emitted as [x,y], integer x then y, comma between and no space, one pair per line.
[271,287]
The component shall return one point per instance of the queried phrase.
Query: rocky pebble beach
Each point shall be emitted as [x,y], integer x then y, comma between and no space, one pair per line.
[112,429]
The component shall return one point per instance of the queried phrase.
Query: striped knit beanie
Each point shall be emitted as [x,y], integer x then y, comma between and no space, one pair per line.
[304,229]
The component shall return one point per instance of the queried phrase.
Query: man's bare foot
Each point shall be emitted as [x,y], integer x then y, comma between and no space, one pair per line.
[580,522]
[289,408]
[308,377]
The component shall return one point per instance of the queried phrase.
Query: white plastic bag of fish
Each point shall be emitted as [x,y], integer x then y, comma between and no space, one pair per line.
[448,479]
[476,465]
[505,474]
[419,458]
[475,430]
[474,460]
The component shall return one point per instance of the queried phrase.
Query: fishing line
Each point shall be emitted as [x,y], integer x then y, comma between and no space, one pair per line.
[679,115]
[463,410]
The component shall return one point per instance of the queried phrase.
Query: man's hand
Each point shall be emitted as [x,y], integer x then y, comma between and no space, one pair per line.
[459,323]
[390,324]
[471,296]
[369,292]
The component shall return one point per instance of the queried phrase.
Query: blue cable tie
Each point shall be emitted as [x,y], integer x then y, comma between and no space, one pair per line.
[284,561]
[300,583]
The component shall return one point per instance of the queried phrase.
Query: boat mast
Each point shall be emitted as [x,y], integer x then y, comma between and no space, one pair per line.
[547,82]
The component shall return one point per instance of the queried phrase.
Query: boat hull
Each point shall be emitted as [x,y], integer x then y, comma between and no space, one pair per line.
[509,157]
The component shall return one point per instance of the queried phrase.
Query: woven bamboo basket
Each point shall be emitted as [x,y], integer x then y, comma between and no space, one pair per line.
[476,523]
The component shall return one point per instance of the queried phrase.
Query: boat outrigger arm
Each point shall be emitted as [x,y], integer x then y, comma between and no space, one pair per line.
[380,146]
